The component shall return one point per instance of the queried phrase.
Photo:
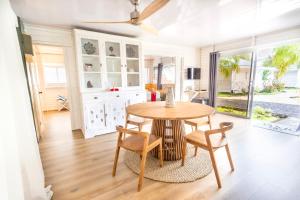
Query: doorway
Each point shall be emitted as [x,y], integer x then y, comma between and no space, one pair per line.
[276,97]
[47,77]
[170,74]
[263,85]
[233,83]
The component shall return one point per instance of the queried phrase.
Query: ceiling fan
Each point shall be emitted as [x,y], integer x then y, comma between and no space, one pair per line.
[137,17]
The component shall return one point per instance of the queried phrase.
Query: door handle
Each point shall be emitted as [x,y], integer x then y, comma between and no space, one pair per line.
[105,115]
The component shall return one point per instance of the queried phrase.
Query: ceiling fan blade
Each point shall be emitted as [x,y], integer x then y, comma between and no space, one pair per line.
[152,8]
[108,22]
[149,28]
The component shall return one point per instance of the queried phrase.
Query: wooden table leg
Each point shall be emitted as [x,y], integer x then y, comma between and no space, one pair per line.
[172,134]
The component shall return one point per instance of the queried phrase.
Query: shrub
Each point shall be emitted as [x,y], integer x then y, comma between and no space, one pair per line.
[278,86]
[244,91]
[269,89]
[261,113]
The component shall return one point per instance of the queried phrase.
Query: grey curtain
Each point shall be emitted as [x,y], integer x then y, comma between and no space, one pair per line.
[213,65]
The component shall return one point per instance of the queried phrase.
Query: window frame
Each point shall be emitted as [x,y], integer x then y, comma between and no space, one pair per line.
[56,66]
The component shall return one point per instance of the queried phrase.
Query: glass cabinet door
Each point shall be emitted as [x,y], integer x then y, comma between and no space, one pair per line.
[113,64]
[91,65]
[132,65]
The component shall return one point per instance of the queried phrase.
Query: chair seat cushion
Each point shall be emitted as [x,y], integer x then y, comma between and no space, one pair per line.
[135,143]
[198,137]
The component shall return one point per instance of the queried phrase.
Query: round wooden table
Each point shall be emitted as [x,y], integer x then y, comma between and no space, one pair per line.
[168,123]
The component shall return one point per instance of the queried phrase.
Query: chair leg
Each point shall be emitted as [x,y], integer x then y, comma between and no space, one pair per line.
[196,149]
[192,127]
[140,127]
[116,161]
[209,122]
[229,157]
[161,158]
[142,169]
[183,153]
[213,161]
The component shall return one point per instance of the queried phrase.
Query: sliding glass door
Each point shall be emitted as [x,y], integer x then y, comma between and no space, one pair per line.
[276,98]
[234,83]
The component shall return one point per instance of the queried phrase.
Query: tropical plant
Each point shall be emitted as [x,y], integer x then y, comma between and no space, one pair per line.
[266,77]
[230,64]
[260,113]
[282,58]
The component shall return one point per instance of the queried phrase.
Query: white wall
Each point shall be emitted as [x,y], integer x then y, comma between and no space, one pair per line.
[20,168]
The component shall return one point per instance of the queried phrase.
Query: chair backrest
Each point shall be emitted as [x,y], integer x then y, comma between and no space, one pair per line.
[122,131]
[224,127]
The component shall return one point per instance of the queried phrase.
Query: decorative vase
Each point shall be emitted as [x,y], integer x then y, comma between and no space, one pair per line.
[170,102]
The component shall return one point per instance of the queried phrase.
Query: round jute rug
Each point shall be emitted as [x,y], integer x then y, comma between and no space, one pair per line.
[172,172]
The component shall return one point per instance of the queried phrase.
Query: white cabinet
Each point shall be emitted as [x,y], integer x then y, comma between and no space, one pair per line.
[104,111]
[95,118]
[116,112]
[106,61]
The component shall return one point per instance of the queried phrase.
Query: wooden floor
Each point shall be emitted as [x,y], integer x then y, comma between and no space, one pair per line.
[267,166]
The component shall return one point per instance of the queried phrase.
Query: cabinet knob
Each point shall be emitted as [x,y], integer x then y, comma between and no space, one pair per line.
[95,97]
[118,96]
[92,112]
[137,94]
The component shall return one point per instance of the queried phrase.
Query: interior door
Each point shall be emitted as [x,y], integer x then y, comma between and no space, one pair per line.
[36,95]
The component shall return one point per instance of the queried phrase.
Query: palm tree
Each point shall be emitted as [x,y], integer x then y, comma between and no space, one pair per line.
[230,64]
[283,57]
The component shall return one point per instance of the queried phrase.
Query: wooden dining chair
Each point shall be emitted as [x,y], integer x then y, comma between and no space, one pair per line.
[138,142]
[198,122]
[210,140]
[136,121]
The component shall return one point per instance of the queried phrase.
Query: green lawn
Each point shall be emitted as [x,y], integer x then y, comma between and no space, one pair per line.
[231,110]
[262,114]
[228,94]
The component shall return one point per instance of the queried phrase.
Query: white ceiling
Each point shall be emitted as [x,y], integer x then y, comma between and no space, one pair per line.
[188,22]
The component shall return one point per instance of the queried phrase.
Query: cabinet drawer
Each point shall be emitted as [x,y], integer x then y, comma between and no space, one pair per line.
[93,97]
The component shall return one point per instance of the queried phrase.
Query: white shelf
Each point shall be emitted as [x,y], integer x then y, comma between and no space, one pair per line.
[133,72]
[132,58]
[92,72]
[114,72]
[113,57]
[90,55]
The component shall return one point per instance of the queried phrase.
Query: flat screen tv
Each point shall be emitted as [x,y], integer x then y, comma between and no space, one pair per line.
[193,73]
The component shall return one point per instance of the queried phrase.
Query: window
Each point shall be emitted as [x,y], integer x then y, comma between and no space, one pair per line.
[54,74]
